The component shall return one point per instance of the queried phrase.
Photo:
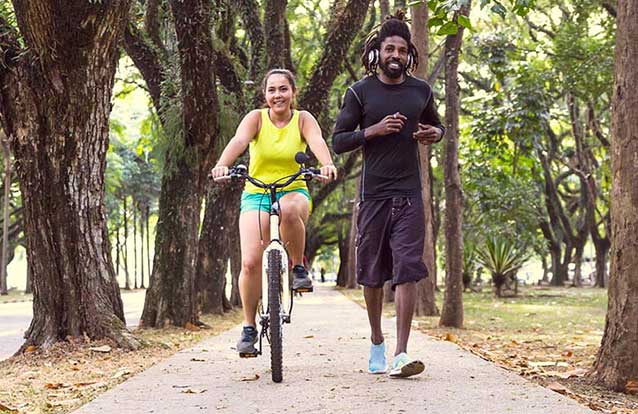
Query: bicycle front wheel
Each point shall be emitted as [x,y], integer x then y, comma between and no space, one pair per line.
[274,312]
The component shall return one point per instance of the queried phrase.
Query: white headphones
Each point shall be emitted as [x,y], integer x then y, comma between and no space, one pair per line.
[373,57]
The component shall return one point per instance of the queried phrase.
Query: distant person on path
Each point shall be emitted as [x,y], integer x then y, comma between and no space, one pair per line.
[323,275]
[275,134]
[388,114]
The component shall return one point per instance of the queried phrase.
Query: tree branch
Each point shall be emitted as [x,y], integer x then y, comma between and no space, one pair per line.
[337,43]
[152,24]
[148,62]
[438,66]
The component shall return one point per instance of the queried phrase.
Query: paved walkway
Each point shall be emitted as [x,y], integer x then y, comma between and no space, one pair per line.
[325,359]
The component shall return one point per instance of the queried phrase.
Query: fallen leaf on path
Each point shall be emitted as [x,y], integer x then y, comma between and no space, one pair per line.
[30,349]
[451,337]
[6,408]
[62,403]
[192,391]
[198,360]
[191,327]
[55,385]
[309,336]
[557,387]
[104,349]
[85,384]
[578,372]
[181,386]
[541,363]
[253,378]
[121,373]
[631,387]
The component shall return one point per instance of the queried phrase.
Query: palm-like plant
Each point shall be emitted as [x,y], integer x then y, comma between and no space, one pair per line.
[503,259]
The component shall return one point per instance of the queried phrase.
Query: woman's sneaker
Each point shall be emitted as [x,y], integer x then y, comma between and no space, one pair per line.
[377,363]
[246,344]
[403,366]
[300,280]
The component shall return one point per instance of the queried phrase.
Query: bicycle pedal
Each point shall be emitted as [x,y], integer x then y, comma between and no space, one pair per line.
[305,290]
[248,354]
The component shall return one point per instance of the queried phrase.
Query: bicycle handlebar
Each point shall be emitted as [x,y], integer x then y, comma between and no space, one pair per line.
[240,171]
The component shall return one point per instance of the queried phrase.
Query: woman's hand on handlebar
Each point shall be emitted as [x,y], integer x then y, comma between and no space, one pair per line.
[328,173]
[218,172]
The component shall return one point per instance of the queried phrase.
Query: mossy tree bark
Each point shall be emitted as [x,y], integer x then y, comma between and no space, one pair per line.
[452,313]
[617,363]
[55,103]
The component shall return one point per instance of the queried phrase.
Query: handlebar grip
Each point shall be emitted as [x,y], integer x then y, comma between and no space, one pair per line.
[315,171]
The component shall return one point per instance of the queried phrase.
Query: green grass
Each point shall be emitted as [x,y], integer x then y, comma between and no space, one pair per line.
[579,313]
[553,316]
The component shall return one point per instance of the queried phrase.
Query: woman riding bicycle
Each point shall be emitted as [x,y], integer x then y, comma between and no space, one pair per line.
[275,134]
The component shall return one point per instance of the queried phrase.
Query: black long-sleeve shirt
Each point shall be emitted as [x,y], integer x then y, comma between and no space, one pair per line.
[391,166]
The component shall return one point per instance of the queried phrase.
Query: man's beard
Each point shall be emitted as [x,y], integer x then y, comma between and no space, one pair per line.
[392,73]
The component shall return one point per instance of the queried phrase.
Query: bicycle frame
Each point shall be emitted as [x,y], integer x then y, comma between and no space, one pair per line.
[275,244]
[275,282]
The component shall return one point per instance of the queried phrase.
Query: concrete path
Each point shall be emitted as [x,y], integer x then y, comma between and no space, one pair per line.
[325,362]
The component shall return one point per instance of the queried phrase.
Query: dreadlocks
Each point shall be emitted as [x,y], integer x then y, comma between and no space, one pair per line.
[392,26]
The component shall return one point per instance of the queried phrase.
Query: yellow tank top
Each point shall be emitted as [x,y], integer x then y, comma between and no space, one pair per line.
[272,152]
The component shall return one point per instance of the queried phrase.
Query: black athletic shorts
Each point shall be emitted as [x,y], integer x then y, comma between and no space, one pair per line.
[390,241]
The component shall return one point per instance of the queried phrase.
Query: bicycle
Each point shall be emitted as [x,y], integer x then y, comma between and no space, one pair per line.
[275,287]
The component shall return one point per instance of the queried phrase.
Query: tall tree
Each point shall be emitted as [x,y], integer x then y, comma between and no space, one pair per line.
[6,152]
[55,106]
[134,208]
[277,35]
[617,363]
[452,313]
[127,276]
[425,305]
[170,296]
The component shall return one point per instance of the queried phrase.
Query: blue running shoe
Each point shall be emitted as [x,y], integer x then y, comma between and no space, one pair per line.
[403,366]
[377,363]
[246,344]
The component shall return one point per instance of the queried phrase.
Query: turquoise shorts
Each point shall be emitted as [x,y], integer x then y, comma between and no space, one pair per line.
[261,201]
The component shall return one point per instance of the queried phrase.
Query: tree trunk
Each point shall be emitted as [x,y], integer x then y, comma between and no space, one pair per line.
[170,297]
[452,313]
[235,267]
[545,278]
[274,27]
[148,243]
[384,6]
[29,288]
[142,211]
[425,303]
[344,255]
[55,104]
[617,363]
[127,276]
[602,249]
[222,210]
[577,280]
[134,245]
[5,208]
[118,246]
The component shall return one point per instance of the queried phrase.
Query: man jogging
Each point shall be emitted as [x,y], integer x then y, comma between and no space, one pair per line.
[394,113]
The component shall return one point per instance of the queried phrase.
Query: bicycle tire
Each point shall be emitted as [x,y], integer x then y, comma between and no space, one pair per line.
[274,313]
